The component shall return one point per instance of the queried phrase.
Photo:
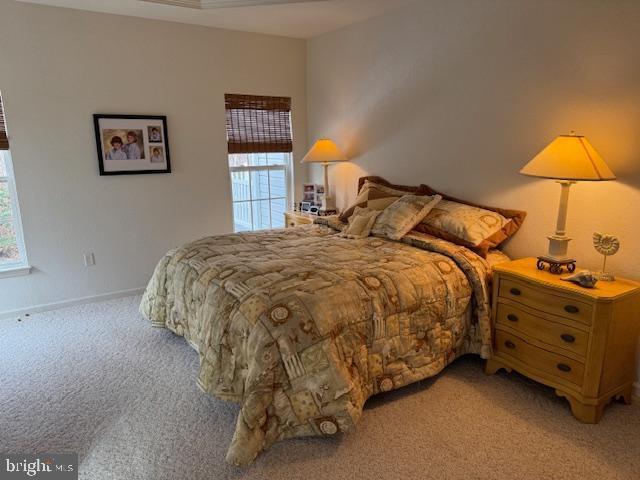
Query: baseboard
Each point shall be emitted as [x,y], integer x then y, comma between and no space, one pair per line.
[44,307]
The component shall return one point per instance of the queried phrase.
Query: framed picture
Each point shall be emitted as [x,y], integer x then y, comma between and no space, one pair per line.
[312,193]
[319,194]
[132,144]
[308,193]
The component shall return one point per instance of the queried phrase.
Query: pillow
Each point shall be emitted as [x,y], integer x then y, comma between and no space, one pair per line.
[477,227]
[360,223]
[376,193]
[401,216]
[468,223]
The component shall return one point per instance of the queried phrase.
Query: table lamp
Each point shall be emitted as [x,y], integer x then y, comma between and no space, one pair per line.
[324,151]
[568,159]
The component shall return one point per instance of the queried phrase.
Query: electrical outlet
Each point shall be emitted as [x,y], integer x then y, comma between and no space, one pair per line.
[89,259]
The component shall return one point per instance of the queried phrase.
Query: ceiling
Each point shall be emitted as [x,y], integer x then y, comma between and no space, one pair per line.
[291,18]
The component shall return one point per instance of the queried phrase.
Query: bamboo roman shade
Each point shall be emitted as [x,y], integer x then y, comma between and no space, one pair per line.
[258,124]
[4,140]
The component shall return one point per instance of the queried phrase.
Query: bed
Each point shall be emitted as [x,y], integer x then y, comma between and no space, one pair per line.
[301,326]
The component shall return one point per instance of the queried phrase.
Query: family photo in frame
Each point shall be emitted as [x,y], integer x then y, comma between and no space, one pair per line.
[132,144]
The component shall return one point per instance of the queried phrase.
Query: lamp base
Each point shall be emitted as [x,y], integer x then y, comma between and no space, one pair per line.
[328,204]
[556,265]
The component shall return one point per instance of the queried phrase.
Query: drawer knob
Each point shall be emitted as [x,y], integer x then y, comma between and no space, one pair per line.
[515,291]
[509,344]
[563,367]
[512,318]
[568,338]
[571,309]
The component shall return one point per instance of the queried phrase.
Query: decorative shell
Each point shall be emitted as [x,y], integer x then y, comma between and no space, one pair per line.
[606,244]
[584,278]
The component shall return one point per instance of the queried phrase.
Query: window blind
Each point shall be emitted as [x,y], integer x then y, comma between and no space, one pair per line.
[4,140]
[258,124]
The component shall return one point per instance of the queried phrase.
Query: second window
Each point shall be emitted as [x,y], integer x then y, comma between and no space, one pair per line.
[259,143]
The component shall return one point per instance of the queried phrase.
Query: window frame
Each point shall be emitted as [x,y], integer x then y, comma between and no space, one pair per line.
[286,167]
[20,267]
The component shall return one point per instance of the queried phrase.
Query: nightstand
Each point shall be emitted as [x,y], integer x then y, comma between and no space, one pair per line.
[293,219]
[580,341]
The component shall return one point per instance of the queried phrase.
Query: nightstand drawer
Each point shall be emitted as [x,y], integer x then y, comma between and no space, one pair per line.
[546,300]
[551,363]
[294,219]
[543,329]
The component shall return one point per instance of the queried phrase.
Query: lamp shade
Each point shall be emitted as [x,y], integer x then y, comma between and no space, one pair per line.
[324,151]
[569,157]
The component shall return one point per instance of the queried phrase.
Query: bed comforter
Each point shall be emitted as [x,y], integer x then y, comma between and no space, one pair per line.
[301,326]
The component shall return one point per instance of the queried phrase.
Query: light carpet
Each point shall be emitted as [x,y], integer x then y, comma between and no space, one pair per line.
[100,381]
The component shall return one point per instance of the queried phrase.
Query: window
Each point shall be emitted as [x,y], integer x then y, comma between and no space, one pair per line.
[12,254]
[259,188]
[260,162]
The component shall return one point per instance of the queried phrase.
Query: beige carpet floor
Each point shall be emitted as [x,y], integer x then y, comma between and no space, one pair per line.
[99,381]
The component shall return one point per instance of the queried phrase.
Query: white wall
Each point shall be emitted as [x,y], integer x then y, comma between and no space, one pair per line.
[461,94]
[57,68]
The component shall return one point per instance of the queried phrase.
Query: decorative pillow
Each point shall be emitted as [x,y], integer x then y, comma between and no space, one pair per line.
[470,224]
[401,216]
[360,223]
[477,227]
[376,193]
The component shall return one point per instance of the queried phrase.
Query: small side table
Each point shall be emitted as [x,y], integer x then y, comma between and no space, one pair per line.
[580,341]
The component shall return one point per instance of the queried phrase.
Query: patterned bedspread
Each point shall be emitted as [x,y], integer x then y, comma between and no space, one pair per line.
[301,326]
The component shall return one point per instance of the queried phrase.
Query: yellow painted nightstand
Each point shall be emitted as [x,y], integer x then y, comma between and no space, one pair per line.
[580,341]
[294,219]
